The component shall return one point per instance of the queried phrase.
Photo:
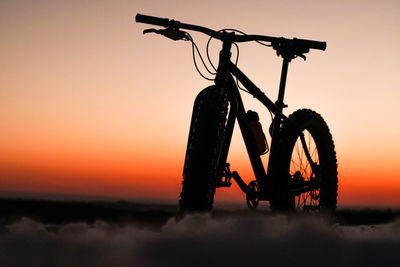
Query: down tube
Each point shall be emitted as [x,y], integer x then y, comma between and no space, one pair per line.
[249,140]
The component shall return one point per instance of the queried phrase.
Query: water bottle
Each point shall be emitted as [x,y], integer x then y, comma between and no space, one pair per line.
[254,122]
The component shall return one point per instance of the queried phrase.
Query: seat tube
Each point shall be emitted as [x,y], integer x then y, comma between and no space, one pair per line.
[276,127]
[279,103]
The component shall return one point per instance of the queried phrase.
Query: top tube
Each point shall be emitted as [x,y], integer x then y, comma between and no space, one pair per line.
[164,22]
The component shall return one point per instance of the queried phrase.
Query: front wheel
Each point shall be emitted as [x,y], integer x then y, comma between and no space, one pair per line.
[203,150]
[307,165]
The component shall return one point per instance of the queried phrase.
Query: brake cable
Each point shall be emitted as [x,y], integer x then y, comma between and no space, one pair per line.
[176,34]
[237,58]
[194,46]
[237,54]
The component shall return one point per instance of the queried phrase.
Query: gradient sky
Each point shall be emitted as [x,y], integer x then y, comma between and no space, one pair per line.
[90,106]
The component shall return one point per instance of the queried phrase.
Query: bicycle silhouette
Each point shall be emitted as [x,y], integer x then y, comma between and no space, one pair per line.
[302,167]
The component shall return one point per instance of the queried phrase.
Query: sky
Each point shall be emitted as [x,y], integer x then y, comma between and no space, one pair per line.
[89,106]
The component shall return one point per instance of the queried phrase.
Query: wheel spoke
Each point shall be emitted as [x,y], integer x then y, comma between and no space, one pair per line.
[308,157]
[300,163]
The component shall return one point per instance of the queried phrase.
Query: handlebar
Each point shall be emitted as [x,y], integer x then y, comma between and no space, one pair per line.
[167,23]
[152,20]
[164,22]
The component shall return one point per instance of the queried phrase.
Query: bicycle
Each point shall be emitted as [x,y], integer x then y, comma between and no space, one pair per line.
[302,167]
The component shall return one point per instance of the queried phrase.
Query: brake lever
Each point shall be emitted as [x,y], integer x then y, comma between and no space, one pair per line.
[302,56]
[301,51]
[152,30]
[169,33]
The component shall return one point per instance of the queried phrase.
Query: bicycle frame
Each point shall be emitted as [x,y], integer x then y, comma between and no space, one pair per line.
[225,72]
[288,49]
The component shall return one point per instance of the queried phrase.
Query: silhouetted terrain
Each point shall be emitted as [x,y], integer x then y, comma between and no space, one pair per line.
[60,233]
[60,212]
[153,215]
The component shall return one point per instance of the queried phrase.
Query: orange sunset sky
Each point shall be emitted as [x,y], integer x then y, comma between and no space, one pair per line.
[91,107]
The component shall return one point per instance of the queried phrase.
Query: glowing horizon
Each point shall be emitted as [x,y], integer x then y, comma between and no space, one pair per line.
[88,105]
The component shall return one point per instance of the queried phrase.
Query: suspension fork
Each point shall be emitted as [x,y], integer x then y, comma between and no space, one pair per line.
[230,124]
[221,81]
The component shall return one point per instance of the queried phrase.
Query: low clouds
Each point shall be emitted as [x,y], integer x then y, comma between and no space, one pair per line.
[199,240]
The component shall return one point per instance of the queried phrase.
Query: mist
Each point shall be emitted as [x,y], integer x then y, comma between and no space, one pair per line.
[200,240]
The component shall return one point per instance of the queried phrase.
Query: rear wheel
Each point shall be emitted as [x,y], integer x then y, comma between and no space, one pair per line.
[203,150]
[306,182]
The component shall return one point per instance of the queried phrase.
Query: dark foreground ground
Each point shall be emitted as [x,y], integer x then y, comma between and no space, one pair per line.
[155,215]
[60,233]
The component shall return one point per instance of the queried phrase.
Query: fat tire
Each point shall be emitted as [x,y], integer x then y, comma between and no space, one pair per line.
[203,149]
[297,122]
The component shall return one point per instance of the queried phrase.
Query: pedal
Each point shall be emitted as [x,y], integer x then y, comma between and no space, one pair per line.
[226,177]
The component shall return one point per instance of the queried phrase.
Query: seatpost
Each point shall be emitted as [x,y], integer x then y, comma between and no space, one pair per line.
[282,84]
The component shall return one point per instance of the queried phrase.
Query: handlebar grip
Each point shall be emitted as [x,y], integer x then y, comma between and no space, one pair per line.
[152,20]
[311,44]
